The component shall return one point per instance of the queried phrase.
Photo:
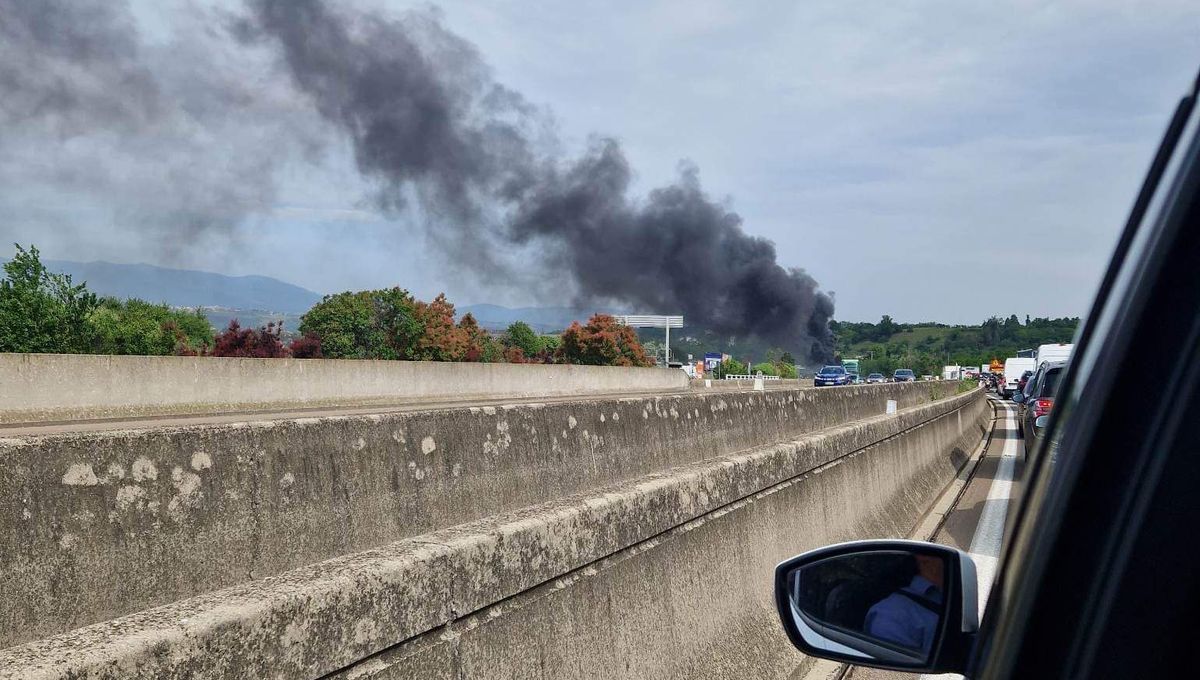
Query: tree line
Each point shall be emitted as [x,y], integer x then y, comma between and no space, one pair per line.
[926,347]
[41,311]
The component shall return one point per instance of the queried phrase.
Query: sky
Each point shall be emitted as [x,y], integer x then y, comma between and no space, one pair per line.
[940,161]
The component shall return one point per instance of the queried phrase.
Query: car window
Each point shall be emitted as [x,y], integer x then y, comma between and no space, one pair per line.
[1048,383]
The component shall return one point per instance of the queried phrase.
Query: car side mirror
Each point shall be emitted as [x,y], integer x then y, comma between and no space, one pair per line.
[1041,421]
[899,605]
[1019,397]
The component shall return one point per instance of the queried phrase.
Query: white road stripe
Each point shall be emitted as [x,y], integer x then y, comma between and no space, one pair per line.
[989,533]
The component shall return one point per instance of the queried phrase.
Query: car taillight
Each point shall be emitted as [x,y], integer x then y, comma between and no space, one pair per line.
[1041,407]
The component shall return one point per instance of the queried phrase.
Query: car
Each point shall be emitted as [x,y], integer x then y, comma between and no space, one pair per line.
[1023,380]
[831,375]
[874,378]
[1038,400]
[1092,579]
[904,375]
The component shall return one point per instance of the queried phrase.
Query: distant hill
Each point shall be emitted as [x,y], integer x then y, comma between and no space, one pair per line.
[541,319]
[188,288]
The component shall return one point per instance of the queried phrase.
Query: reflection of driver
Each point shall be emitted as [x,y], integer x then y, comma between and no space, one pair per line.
[909,616]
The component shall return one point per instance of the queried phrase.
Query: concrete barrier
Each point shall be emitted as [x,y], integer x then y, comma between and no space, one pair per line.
[637,534]
[48,387]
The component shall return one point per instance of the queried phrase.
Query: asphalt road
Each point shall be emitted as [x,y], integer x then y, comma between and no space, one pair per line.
[978,522]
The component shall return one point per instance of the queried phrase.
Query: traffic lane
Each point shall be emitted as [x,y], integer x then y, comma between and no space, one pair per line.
[971,525]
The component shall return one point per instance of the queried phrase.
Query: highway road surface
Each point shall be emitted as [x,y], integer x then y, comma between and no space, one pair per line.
[978,521]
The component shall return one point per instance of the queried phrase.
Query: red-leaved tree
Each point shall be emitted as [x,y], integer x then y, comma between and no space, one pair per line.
[261,343]
[602,342]
[307,346]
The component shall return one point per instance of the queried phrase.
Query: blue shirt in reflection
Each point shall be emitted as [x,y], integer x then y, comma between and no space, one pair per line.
[900,619]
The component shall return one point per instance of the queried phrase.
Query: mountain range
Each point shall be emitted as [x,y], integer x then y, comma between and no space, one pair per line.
[256,299]
[188,288]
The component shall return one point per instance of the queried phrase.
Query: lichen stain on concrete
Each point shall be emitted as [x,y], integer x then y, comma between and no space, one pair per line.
[489,410]
[144,470]
[129,495]
[67,541]
[293,637]
[115,472]
[428,446]
[365,631]
[287,480]
[602,417]
[358,444]
[502,442]
[616,416]
[417,471]
[187,486]
[398,436]
[80,474]
[201,461]
[571,422]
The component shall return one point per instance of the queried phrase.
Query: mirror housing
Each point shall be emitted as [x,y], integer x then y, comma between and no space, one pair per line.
[1041,421]
[892,604]
[1018,397]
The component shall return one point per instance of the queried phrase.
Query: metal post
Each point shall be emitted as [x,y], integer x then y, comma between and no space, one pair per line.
[668,349]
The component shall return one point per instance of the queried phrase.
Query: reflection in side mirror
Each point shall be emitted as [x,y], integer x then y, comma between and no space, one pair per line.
[1018,397]
[902,605]
[1041,421]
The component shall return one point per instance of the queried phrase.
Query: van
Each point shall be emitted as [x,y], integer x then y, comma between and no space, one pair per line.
[1056,352]
[1014,367]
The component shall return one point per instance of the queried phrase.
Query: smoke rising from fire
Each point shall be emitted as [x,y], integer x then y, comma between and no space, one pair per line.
[429,126]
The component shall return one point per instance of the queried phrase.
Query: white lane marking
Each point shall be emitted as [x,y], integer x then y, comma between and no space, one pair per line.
[989,532]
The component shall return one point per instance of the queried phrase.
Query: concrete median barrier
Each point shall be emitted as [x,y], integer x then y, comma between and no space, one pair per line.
[632,533]
[56,387]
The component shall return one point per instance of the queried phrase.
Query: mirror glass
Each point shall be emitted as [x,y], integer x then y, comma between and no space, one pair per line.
[886,605]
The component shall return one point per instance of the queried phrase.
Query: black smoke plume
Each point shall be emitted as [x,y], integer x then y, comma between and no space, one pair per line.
[425,114]
[183,139]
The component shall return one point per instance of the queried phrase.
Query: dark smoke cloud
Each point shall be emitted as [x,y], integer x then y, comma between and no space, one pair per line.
[164,143]
[424,114]
[180,138]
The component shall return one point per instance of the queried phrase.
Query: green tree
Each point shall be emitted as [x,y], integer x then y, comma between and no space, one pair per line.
[521,336]
[885,329]
[732,367]
[41,311]
[766,368]
[369,324]
[138,327]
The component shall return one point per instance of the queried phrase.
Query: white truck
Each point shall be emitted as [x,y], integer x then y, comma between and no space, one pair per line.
[1013,368]
[1055,352]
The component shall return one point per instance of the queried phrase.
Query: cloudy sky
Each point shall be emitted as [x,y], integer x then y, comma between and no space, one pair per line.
[930,160]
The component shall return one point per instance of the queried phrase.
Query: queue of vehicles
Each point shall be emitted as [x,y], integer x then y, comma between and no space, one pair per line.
[1031,383]
[834,375]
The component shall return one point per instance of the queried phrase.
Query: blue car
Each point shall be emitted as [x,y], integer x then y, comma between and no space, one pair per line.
[831,375]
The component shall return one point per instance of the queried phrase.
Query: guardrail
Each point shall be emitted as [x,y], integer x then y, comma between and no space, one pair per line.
[739,376]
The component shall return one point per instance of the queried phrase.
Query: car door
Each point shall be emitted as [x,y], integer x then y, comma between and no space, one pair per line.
[1099,576]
